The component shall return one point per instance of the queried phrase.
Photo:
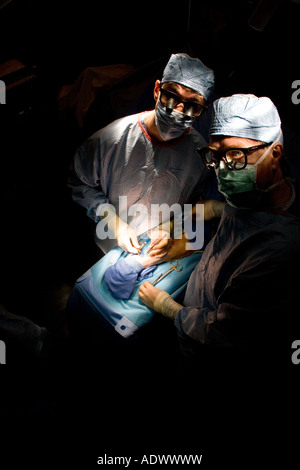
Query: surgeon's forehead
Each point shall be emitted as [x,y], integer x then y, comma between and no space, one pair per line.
[223,141]
[177,88]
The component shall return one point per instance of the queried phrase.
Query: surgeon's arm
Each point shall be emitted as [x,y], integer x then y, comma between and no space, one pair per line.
[159,300]
[212,208]
[198,323]
[178,248]
[84,178]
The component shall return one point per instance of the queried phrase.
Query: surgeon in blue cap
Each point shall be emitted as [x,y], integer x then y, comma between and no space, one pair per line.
[145,159]
[243,294]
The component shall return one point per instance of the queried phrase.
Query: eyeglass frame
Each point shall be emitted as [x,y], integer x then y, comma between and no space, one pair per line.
[179,100]
[222,156]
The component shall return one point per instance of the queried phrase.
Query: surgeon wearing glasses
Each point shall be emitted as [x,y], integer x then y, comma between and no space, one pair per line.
[242,172]
[146,159]
[177,106]
[243,294]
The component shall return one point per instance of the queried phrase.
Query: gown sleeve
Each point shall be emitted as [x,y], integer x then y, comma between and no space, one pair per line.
[84,177]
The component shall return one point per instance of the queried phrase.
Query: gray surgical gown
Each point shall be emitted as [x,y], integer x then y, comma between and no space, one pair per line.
[245,289]
[121,160]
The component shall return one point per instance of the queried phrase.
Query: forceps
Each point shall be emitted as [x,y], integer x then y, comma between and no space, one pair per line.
[178,267]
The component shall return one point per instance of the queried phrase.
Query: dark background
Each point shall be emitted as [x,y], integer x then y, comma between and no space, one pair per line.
[47,242]
[56,41]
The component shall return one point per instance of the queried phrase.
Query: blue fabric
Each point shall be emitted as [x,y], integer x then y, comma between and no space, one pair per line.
[121,278]
[126,316]
[246,116]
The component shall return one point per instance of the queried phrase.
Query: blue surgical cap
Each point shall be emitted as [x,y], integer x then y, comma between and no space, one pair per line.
[189,72]
[246,116]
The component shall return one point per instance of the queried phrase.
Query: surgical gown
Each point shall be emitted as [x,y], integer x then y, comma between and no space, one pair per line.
[121,160]
[245,290]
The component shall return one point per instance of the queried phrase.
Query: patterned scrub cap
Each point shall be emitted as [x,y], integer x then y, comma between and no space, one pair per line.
[246,116]
[189,72]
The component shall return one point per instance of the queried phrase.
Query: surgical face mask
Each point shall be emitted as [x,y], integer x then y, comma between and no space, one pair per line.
[239,186]
[171,125]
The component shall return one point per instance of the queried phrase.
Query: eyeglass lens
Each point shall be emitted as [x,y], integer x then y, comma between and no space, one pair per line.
[234,158]
[171,100]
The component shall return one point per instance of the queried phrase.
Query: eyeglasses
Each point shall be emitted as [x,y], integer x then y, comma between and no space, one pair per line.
[234,158]
[170,100]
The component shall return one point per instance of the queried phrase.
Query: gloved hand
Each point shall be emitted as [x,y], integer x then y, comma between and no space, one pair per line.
[159,300]
[212,208]
[160,242]
[124,234]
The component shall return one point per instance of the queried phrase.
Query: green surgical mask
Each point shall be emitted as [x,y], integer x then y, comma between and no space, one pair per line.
[233,181]
[239,186]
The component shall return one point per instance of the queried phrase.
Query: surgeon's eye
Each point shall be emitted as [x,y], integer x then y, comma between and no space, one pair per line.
[166,96]
[235,154]
[189,111]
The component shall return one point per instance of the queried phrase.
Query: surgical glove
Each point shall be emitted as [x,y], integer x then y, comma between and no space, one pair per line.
[165,305]
[124,234]
[217,207]
[159,300]
[212,208]
[160,243]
